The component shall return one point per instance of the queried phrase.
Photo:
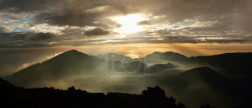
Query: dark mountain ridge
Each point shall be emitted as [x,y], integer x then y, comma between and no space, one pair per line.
[236,89]
[165,57]
[230,64]
[18,97]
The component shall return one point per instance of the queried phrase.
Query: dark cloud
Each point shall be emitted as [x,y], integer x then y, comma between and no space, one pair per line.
[73,31]
[41,37]
[25,39]
[57,12]
[2,29]
[173,9]
[12,36]
[27,5]
[96,32]
[74,12]
[68,17]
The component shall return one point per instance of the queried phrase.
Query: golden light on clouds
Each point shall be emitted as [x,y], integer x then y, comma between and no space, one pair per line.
[134,53]
[141,49]
[129,23]
[136,50]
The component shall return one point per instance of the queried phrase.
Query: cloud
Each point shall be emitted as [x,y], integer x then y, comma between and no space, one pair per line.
[226,17]
[26,5]
[96,32]
[20,39]
[86,10]
[68,17]
[41,37]
[2,29]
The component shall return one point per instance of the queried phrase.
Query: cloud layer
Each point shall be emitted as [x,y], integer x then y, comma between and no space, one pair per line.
[183,18]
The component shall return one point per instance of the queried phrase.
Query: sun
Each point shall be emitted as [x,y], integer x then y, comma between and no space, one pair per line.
[129,23]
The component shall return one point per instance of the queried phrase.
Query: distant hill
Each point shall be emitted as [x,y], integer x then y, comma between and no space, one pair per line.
[205,74]
[166,57]
[16,97]
[238,90]
[231,64]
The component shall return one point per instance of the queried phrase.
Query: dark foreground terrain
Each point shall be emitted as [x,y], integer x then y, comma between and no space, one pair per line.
[18,97]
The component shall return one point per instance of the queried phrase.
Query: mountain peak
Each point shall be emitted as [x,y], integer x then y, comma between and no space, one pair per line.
[73,51]
[164,53]
[156,52]
[71,55]
[173,53]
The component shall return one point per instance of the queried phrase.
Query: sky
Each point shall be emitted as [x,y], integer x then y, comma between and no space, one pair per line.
[44,23]
[190,27]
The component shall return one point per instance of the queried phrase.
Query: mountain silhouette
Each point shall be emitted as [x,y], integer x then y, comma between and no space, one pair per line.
[5,85]
[202,73]
[17,97]
[153,97]
[166,57]
[236,89]
[231,64]
[70,63]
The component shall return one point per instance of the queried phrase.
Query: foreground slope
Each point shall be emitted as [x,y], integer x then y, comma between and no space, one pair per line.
[17,97]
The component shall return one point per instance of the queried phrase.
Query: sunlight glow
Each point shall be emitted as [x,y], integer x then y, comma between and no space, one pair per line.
[129,23]
[134,56]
